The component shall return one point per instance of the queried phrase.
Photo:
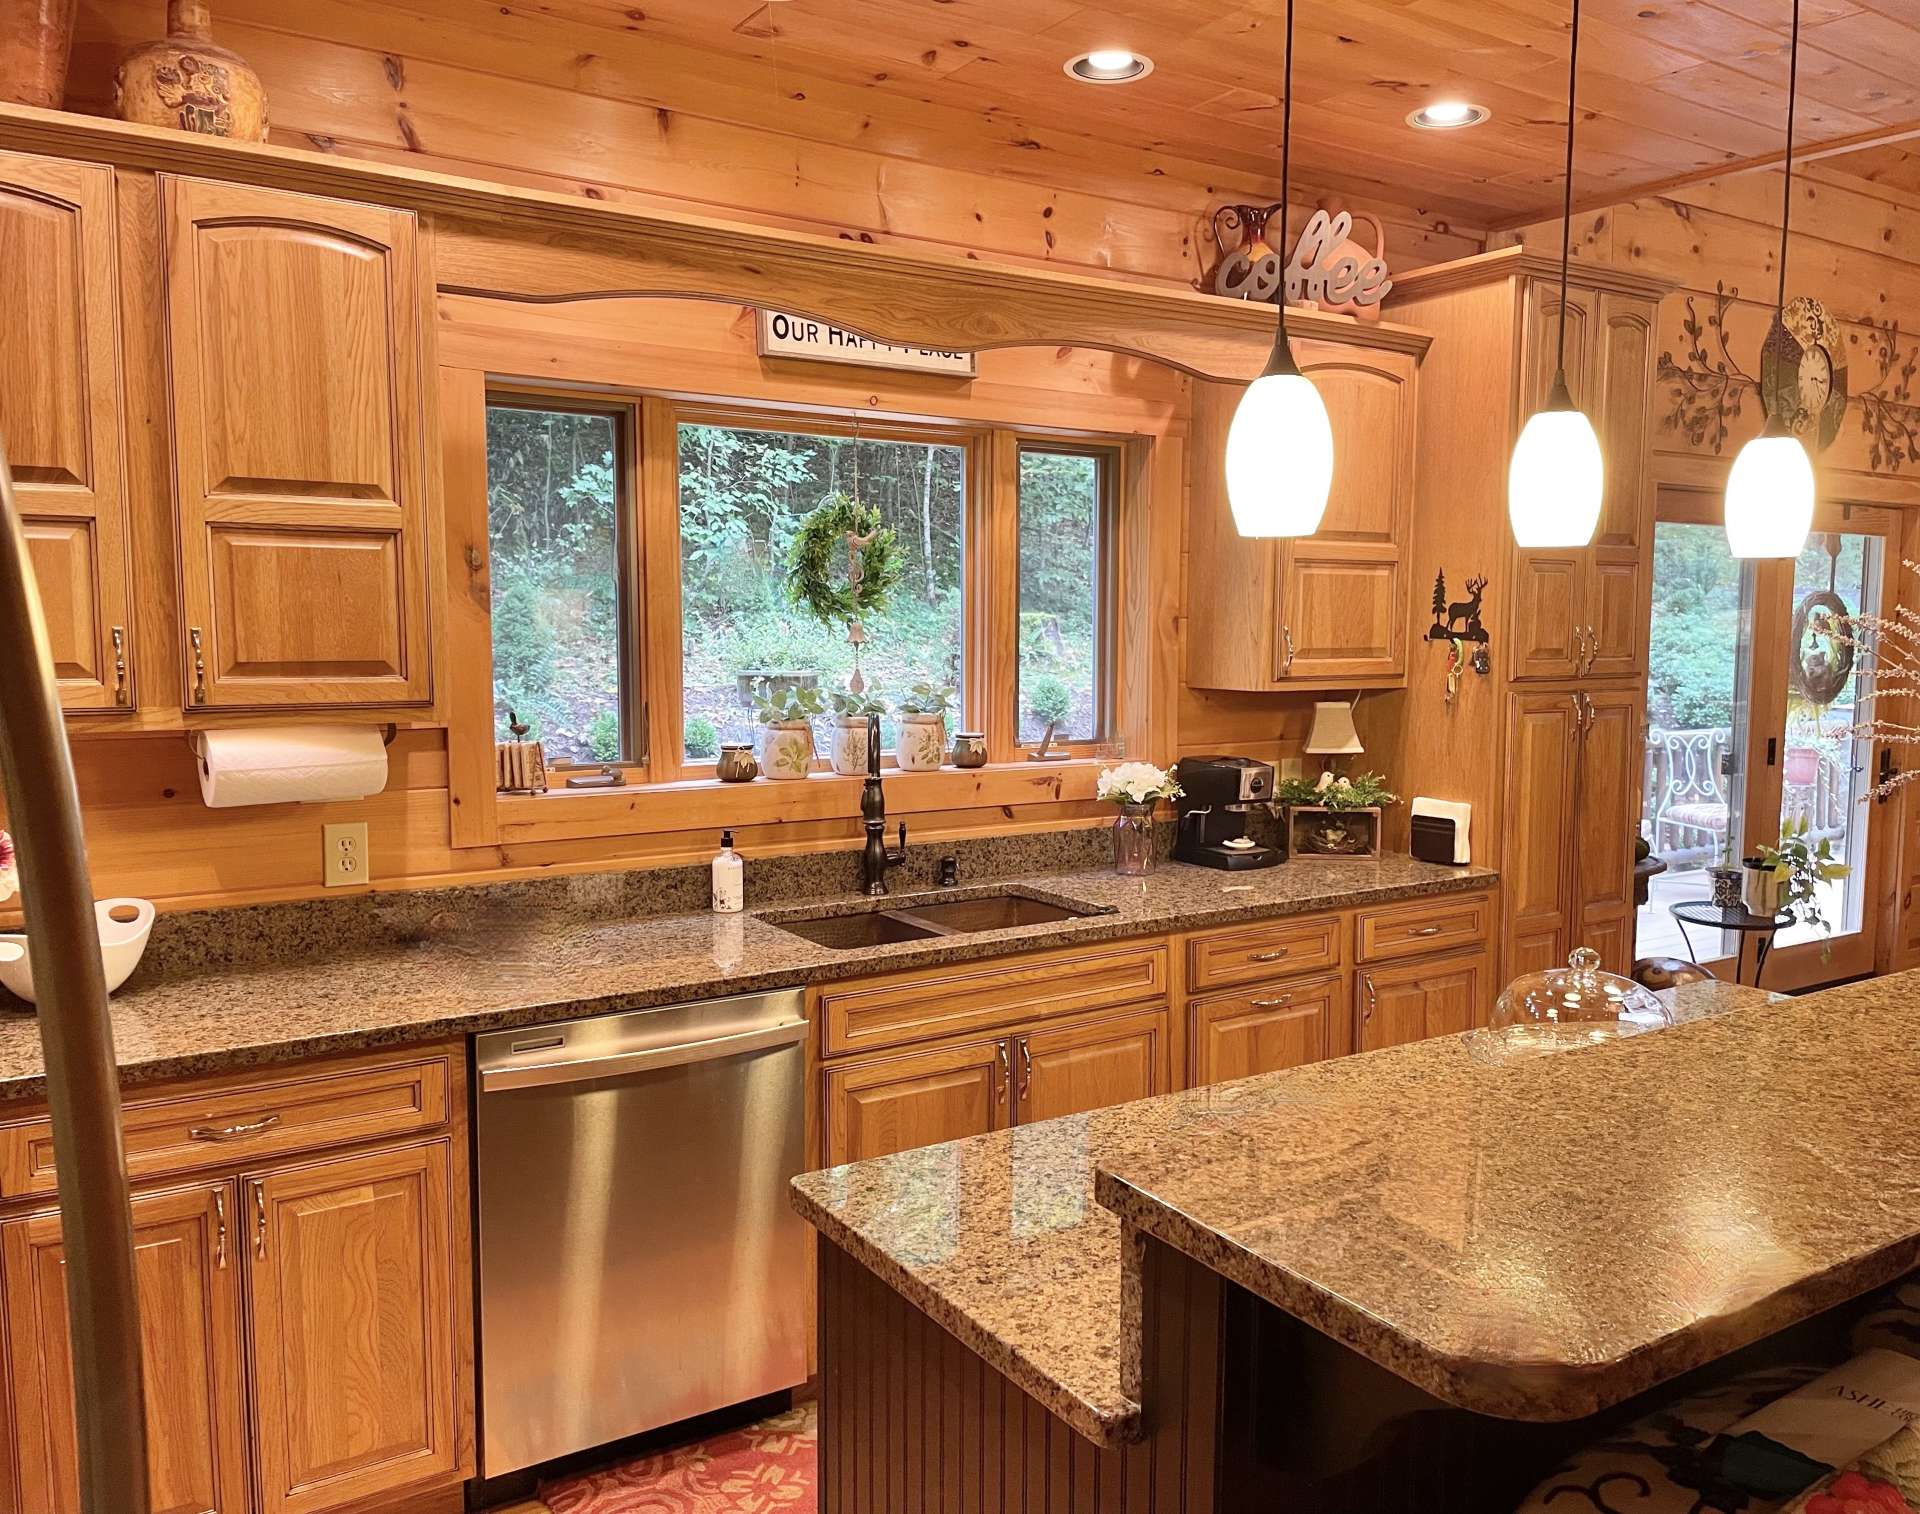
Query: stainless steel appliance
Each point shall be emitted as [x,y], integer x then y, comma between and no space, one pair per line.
[639,1259]
[1217,795]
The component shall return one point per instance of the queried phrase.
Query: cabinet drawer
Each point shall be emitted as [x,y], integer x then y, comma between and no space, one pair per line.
[1248,954]
[977,996]
[1240,1035]
[1421,926]
[226,1126]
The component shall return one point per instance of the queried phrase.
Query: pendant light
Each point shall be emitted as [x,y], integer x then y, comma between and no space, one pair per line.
[1280,445]
[1770,491]
[1557,477]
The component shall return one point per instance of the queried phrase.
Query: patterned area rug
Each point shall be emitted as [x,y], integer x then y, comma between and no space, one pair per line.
[767,1468]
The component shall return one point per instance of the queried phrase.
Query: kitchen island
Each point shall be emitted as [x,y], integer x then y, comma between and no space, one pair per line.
[1402,1280]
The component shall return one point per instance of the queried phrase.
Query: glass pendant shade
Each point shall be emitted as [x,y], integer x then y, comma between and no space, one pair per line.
[1279,457]
[1556,479]
[1770,497]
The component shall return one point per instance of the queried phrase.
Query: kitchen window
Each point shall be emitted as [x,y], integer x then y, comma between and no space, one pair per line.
[1066,532]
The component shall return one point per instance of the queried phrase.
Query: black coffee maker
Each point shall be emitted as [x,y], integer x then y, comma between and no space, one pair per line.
[1217,795]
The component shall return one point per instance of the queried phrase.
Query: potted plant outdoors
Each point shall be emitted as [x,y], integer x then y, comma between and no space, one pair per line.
[850,712]
[1136,787]
[1335,817]
[786,720]
[1048,702]
[922,743]
[1788,877]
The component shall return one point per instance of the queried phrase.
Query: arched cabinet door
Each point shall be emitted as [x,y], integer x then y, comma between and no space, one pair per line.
[60,415]
[295,344]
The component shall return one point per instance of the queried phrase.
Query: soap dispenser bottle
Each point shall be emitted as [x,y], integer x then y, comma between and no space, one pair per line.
[729,878]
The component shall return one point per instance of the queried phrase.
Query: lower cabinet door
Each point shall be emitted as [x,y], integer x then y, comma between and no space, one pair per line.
[187,1268]
[1265,1029]
[353,1331]
[1070,1069]
[881,1105]
[1411,1001]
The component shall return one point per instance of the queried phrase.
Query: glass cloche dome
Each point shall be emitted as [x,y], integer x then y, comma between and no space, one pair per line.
[1566,1007]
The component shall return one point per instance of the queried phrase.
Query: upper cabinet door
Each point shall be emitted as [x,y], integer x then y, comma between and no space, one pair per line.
[295,348]
[1622,412]
[60,415]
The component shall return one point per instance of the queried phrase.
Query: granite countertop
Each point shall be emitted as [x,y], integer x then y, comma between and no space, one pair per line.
[303,984]
[1381,1168]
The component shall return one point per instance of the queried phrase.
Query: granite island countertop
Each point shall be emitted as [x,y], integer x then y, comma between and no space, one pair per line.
[1382,1171]
[284,983]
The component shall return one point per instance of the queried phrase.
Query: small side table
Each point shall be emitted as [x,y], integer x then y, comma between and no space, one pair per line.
[1733,917]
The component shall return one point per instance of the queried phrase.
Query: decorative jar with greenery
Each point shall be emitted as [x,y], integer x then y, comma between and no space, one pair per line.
[850,712]
[786,720]
[1136,787]
[922,744]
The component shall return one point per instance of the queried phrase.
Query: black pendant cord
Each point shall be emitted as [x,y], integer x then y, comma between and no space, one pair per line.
[1280,360]
[1566,220]
[1786,193]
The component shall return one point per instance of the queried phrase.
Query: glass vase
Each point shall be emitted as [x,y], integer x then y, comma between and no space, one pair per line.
[1133,841]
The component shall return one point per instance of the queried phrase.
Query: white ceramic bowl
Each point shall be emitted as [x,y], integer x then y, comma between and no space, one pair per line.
[124,926]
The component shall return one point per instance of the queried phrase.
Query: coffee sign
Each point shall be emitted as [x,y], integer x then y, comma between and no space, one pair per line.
[1328,268]
[783,334]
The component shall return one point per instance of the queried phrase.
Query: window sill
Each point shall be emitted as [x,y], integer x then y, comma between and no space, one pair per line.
[709,804]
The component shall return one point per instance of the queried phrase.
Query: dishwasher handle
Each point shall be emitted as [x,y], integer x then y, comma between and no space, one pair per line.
[653,1059]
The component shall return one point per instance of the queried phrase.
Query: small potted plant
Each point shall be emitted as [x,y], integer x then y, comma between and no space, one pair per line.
[1335,817]
[1048,702]
[850,712]
[1793,872]
[786,720]
[922,743]
[1136,787]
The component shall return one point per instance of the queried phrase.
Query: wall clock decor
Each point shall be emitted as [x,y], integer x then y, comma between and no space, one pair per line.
[1803,372]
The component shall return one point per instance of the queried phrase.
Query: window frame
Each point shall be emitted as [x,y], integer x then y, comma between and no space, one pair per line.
[630,703]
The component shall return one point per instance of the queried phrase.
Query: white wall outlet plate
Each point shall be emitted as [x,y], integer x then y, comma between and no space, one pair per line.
[346,855]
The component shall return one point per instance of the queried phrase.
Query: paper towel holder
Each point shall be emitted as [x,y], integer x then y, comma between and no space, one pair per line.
[192,739]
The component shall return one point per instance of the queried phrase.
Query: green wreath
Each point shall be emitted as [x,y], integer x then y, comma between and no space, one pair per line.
[873,563]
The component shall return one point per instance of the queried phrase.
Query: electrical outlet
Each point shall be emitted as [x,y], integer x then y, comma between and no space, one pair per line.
[346,854]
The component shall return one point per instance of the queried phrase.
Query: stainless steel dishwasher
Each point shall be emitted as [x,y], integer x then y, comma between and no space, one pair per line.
[639,1259]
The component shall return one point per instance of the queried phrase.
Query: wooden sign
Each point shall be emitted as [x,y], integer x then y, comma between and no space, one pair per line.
[798,336]
[1328,268]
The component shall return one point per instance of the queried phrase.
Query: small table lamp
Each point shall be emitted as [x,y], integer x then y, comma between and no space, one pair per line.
[1333,732]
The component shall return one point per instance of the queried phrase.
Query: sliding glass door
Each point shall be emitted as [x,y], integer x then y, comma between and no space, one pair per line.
[1752,695]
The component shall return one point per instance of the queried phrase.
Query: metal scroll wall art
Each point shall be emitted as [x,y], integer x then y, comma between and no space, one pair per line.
[1803,380]
[1457,623]
[1328,268]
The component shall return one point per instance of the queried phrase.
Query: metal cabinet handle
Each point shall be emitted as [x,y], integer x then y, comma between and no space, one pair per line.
[1593,647]
[1373,998]
[1286,661]
[199,665]
[220,1228]
[1026,1068]
[233,1132]
[259,1219]
[119,634]
[1279,1003]
[1427,930]
[1006,1074]
[1272,956]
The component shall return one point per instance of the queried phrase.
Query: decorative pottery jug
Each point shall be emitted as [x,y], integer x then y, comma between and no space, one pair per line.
[187,82]
[36,37]
[969,749]
[736,763]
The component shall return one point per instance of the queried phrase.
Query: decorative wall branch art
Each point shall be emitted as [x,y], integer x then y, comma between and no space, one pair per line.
[1804,376]
[1457,623]
[1328,268]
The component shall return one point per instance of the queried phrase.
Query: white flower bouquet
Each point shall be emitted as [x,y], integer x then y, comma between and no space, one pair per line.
[1137,783]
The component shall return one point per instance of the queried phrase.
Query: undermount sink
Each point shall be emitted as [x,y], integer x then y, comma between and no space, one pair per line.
[922,919]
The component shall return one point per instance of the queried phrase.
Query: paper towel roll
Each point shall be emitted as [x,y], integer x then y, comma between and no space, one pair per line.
[291,764]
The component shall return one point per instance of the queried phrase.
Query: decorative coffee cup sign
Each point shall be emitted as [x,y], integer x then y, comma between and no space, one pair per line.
[1328,268]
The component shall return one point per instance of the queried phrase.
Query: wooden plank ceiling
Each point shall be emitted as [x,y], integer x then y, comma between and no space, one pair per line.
[1670,87]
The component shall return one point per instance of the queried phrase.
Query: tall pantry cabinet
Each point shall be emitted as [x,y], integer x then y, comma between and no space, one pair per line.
[1548,746]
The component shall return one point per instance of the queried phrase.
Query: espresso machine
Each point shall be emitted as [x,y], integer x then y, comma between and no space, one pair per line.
[1217,795]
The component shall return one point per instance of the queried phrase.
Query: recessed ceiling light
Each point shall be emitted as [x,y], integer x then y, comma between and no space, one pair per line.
[1448,115]
[1109,65]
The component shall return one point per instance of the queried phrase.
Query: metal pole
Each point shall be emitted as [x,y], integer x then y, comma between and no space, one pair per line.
[76,1037]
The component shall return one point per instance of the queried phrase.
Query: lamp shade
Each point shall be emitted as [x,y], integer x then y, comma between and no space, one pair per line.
[1333,729]
[1770,497]
[1279,457]
[1556,480]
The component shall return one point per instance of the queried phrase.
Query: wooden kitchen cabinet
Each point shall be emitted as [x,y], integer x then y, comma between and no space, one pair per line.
[1328,609]
[1266,1029]
[60,416]
[1606,819]
[353,1327]
[1071,1069]
[1413,1001]
[878,1106]
[188,1271]
[299,434]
